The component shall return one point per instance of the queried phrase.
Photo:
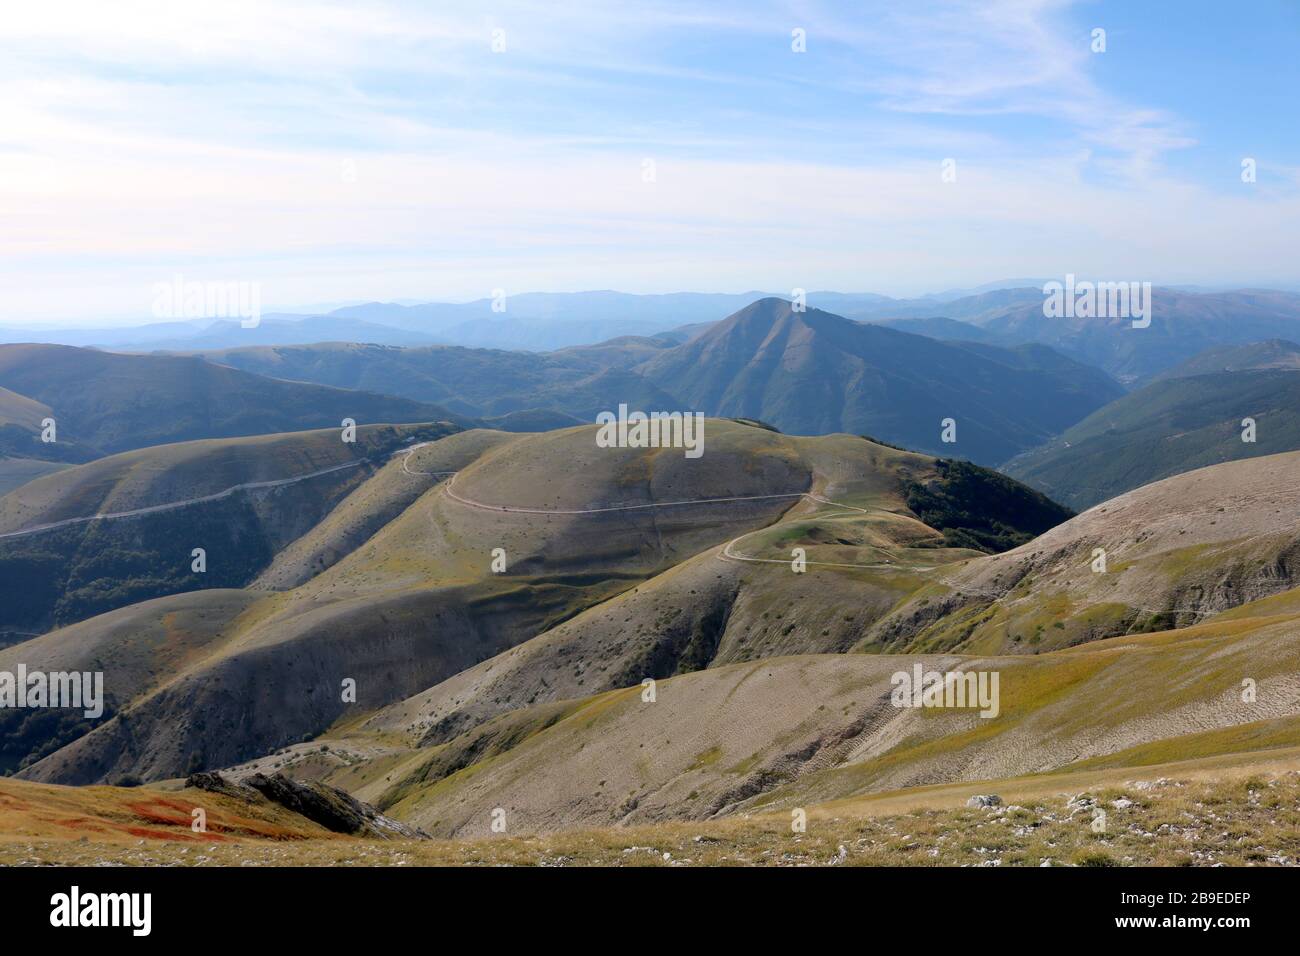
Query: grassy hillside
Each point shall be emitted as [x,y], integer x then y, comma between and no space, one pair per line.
[1176,552]
[105,403]
[739,601]
[787,732]
[1270,354]
[403,603]
[237,499]
[1171,426]
[523,689]
[21,426]
[532,420]
[374,503]
[137,647]
[1159,820]
[21,411]
[115,818]
[15,472]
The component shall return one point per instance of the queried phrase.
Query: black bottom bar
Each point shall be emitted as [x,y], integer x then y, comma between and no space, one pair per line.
[341,904]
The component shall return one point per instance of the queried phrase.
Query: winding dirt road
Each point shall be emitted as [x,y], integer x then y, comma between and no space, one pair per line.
[172,505]
[727,552]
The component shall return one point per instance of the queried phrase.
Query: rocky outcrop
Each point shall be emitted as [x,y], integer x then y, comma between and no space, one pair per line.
[328,806]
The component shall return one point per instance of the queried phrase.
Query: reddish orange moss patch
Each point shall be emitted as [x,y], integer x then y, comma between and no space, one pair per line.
[155,811]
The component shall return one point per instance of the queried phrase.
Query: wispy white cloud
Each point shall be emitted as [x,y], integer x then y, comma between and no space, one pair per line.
[337,150]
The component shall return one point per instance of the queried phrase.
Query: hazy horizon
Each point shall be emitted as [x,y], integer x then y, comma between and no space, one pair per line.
[650,150]
[307,310]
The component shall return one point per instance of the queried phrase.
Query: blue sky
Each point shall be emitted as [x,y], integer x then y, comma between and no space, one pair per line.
[336,151]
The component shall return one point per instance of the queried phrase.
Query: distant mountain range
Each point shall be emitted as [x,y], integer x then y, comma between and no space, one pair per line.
[1194,415]
[579,381]
[104,402]
[804,372]
[1184,323]
[273,329]
[814,373]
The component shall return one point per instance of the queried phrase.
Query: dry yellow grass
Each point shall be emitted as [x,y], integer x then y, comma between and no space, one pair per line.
[120,816]
[1242,812]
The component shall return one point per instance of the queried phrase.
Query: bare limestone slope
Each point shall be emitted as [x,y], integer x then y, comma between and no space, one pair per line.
[1176,552]
[792,731]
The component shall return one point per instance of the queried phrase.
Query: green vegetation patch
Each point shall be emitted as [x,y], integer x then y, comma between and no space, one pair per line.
[981,509]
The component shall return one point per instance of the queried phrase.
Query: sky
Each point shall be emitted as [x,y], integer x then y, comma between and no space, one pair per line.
[331,152]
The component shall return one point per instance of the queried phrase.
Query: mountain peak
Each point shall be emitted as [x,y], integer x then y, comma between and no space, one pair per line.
[813,372]
[748,328]
[768,309]
[767,316]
